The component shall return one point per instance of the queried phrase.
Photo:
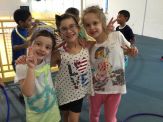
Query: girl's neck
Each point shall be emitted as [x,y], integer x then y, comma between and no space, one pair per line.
[101,38]
[73,48]
[39,62]
[72,44]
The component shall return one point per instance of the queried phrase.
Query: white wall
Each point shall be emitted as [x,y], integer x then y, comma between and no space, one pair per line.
[146,15]
[7,7]
[153,26]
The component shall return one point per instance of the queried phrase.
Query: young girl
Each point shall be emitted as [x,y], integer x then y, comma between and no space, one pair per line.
[35,80]
[74,78]
[107,60]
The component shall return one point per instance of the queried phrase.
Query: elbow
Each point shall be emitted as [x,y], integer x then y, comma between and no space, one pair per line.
[28,93]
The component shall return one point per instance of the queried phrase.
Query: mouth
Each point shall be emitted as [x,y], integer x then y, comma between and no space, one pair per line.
[93,33]
[70,36]
[39,54]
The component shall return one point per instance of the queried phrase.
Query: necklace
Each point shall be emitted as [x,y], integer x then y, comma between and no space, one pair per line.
[22,37]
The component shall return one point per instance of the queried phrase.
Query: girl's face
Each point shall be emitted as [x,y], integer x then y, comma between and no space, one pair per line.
[42,47]
[92,25]
[69,30]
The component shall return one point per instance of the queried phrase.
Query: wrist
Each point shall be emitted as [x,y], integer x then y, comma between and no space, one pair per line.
[31,68]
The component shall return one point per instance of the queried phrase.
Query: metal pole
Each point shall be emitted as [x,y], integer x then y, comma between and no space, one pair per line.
[81,9]
[145,11]
[106,6]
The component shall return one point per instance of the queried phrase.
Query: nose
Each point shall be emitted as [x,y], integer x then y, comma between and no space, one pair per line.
[42,48]
[69,30]
[91,26]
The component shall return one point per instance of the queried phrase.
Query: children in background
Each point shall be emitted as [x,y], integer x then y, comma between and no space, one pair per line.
[74,78]
[19,34]
[122,18]
[161,59]
[74,12]
[107,61]
[35,80]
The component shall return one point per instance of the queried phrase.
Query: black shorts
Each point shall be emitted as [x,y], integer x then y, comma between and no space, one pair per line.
[74,106]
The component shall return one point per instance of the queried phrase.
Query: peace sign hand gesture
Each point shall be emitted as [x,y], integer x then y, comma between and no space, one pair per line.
[110,25]
[131,51]
[31,59]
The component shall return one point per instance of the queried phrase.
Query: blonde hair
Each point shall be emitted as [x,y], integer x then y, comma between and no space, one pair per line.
[100,14]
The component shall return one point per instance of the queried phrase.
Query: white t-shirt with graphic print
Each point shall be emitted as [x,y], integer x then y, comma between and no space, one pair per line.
[107,60]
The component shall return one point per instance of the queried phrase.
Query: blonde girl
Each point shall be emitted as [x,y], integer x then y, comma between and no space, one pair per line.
[107,61]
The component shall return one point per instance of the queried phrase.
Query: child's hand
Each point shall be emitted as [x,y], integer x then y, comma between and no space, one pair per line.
[110,25]
[21,60]
[131,51]
[60,45]
[31,58]
[86,44]
[1,82]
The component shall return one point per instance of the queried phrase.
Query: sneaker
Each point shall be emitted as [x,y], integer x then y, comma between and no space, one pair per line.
[161,58]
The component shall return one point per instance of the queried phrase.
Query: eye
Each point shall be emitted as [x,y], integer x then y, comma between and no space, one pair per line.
[87,25]
[95,23]
[37,43]
[48,47]
[63,29]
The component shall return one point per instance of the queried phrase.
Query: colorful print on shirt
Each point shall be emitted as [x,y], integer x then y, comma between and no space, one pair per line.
[104,72]
[101,76]
[118,77]
[81,66]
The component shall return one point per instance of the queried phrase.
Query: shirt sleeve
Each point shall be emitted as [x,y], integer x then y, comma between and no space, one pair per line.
[14,38]
[123,40]
[21,71]
[131,35]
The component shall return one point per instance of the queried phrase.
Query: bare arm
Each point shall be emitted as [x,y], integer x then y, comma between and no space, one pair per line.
[55,58]
[21,46]
[87,44]
[28,84]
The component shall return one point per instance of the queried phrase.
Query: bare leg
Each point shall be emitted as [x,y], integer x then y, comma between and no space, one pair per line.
[65,116]
[73,117]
